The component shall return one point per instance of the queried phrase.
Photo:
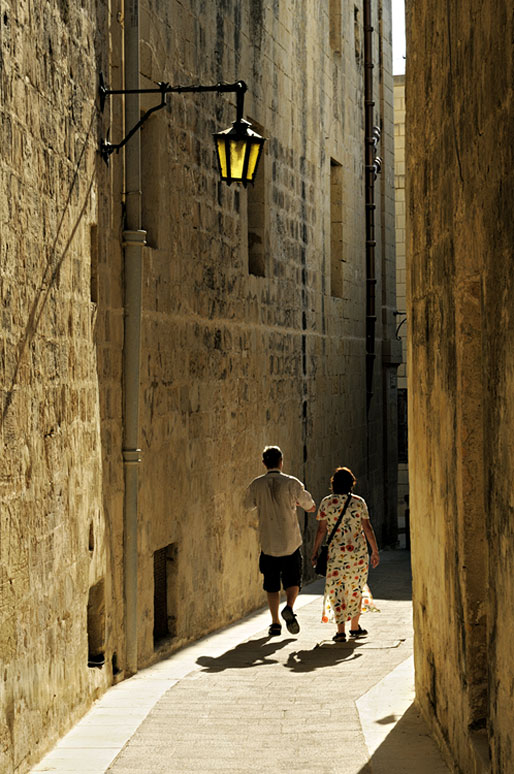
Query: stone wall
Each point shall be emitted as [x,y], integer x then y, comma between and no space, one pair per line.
[233,359]
[253,326]
[459,118]
[53,540]
[401,303]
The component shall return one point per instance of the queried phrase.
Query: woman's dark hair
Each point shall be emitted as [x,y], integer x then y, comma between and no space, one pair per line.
[342,481]
[271,456]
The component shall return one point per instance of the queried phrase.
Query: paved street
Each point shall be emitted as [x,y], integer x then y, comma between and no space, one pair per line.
[239,701]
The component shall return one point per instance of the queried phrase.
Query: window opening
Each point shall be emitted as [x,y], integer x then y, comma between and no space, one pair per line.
[335,26]
[403,436]
[336,229]
[357,34]
[93,250]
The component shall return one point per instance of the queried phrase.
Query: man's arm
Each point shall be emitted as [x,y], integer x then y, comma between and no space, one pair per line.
[304,499]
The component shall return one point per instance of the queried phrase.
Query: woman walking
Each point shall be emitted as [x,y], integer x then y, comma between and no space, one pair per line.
[347,567]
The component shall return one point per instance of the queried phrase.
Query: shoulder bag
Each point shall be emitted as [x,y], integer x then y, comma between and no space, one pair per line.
[322,560]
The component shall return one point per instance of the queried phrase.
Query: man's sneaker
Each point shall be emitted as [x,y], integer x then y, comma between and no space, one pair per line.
[291,621]
[358,632]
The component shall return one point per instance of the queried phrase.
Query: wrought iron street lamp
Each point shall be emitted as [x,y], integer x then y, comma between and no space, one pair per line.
[238,148]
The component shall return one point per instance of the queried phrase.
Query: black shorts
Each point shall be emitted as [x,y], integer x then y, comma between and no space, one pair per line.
[287,569]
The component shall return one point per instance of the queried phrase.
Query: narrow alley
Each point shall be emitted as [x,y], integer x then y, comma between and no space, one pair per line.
[240,701]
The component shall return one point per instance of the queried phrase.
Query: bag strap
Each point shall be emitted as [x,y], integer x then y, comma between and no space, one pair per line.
[343,511]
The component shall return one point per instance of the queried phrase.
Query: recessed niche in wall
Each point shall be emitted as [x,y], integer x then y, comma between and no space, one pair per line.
[115,668]
[96,625]
[164,575]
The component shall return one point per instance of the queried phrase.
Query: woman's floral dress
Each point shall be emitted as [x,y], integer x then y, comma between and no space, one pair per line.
[346,590]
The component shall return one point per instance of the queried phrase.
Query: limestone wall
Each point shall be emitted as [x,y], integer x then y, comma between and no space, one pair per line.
[253,326]
[459,119]
[234,359]
[401,301]
[53,538]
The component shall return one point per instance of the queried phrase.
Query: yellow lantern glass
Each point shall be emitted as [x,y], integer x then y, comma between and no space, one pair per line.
[238,151]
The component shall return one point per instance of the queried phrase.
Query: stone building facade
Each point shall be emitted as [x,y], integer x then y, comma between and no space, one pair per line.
[401,303]
[460,232]
[253,315]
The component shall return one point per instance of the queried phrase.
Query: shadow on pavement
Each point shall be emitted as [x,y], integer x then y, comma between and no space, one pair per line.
[407,748]
[317,658]
[247,654]
[392,579]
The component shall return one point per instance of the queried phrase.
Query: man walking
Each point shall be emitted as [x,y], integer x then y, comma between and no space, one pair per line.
[276,497]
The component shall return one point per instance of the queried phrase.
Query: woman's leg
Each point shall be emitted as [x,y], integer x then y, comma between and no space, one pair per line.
[341,619]
[354,623]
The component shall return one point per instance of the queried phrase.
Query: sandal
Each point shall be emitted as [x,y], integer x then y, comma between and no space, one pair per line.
[291,621]
[339,637]
[274,630]
[358,632]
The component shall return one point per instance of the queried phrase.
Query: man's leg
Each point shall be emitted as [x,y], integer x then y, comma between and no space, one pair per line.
[291,576]
[271,571]
[291,594]
[273,604]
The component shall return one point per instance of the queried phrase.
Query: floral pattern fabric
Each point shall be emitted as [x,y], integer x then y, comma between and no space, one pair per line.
[346,590]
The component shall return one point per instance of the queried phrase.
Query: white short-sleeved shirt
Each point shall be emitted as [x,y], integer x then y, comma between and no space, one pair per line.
[276,497]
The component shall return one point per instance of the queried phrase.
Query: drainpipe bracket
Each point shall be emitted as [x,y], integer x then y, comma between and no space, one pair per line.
[132,456]
[134,238]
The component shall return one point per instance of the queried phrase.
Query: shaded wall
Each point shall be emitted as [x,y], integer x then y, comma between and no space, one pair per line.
[459,118]
[401,304]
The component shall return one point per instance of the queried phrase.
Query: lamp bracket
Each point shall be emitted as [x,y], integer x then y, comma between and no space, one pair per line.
[106,148]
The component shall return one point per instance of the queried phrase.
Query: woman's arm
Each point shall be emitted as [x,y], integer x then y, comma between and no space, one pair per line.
[370,535]
[320,534]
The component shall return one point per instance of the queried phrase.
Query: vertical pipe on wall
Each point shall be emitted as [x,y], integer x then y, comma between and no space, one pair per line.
[133,243]
[370,172]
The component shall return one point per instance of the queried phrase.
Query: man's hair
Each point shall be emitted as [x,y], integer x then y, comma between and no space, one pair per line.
[342,481]
[271,456]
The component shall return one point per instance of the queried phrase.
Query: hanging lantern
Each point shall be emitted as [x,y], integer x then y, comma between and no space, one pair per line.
[238,151]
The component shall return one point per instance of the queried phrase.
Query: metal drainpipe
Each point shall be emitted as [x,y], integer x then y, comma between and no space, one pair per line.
[134,239]
[370,202]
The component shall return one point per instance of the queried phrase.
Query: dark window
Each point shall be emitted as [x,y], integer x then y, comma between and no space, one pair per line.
[335,23]
[403,448]
[93,235]
[336,229]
